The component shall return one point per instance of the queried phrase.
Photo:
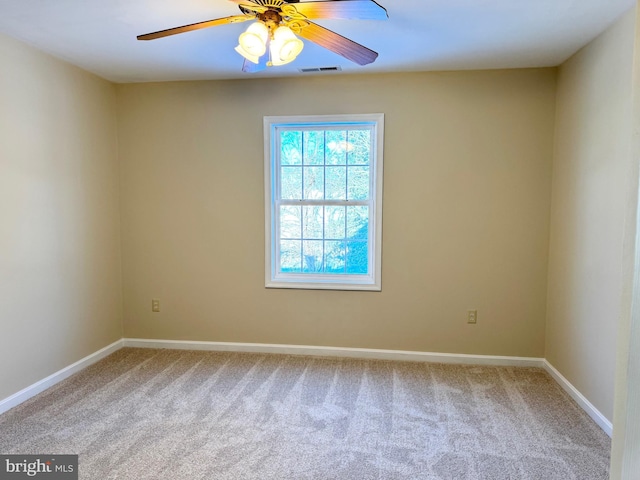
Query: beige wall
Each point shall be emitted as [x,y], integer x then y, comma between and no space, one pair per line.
[626,425]
[589,200]
[60,288]
[466,212]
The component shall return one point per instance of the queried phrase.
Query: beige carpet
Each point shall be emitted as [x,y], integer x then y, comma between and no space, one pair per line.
[166,414]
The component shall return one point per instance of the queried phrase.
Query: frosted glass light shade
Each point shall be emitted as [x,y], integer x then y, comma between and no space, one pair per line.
[252,58]
[253,42]
[285,46]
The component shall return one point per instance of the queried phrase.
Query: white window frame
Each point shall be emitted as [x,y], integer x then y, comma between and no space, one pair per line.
[276,279]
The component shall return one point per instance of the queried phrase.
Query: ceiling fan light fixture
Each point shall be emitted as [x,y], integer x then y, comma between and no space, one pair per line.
[253,42]
[252,58]
[285,46]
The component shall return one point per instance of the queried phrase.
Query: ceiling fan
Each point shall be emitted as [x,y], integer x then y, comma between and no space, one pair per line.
[271,40]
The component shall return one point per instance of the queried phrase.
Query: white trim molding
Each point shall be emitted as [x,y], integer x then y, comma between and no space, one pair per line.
[319,351]
[311,350]
[274,127]
[580,399]
[40,386]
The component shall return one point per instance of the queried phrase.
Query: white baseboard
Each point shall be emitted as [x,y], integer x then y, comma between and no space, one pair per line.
[32,390]
[365,353]
[580,399]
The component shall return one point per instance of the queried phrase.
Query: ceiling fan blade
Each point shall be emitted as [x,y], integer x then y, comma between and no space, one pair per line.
[343,9]
[250,67]
[195,26]
[338,44]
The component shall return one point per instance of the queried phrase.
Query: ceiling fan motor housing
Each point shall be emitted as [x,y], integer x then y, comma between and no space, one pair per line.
[271,18]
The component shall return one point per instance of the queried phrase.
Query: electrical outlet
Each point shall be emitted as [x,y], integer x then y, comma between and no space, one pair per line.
[155,305]
[472,316]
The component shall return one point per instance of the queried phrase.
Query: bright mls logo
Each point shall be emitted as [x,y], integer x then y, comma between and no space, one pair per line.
[51,467]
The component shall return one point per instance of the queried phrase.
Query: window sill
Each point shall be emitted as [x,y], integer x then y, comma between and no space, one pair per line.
[325,286]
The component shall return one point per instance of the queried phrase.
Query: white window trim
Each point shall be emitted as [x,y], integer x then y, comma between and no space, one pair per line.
[373,281]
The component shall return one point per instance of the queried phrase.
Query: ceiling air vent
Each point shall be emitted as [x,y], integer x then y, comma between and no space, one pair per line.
[320,69]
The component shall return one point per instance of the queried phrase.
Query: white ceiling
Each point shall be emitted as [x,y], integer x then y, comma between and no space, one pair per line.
[100,35]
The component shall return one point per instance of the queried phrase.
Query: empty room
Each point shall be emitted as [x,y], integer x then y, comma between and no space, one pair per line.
[334,239]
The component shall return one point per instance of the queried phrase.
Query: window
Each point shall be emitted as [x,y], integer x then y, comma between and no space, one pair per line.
[323,192]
